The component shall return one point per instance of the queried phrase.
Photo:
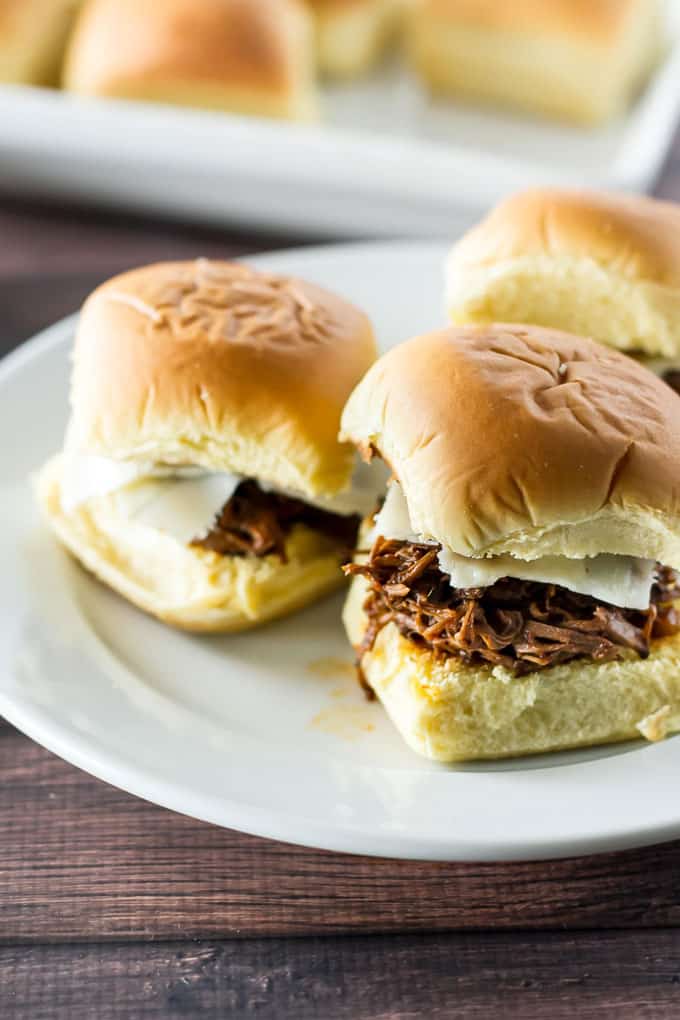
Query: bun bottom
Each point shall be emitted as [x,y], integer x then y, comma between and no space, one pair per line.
[189,588]
[450,711]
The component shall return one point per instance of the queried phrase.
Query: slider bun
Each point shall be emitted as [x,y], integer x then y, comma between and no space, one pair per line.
[525,441]
[577,60]
[449,711]
[246,56]
[33,35]
[352,34]
[214,364]
[602,265]
[188,587]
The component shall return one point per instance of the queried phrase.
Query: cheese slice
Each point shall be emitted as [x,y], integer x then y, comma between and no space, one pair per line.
[183,508]
[620,580]
[394,519]
[183,501]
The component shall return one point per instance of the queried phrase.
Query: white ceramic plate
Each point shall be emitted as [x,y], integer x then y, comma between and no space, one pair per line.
[384,160]
[268,732]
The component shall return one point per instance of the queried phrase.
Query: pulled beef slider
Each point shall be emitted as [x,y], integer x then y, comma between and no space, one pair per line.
[201,475]
[517,590]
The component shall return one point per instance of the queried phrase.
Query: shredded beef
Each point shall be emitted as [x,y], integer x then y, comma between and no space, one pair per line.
[523,625]
[255,523]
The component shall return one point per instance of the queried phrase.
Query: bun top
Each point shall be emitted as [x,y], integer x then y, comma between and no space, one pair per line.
[636,236]
[526,441]
[597,20]
[215,364]
[233,53]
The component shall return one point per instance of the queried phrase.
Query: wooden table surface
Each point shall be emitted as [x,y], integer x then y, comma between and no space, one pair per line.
[114,908]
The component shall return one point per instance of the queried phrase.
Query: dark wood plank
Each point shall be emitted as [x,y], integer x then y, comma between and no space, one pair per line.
[81,860]
[60,238]
[462,977]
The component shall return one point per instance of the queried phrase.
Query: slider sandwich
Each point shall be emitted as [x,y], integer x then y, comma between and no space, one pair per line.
[517,592]
[201,476]
[601,265]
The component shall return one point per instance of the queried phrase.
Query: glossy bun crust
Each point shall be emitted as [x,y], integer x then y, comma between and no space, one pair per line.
[526,441]
[215,364]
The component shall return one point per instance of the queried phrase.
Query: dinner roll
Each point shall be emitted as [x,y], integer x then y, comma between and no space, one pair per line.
[578,60]
[245,56]
[33,35]
[603,265]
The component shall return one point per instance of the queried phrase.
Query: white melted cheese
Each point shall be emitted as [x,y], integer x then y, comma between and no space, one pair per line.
[623,581]
[182,501]
[86,477]
[183,508]
[368,483]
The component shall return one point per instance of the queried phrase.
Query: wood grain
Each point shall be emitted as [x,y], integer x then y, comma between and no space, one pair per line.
[83,861]
[463,977]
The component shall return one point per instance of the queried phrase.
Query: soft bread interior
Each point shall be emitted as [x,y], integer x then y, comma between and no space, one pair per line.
[244,56]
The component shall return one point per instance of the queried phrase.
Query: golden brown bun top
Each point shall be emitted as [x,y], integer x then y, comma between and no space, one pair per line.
[528,441]
[595,19]
[638,237]
[241,42]
[215,364]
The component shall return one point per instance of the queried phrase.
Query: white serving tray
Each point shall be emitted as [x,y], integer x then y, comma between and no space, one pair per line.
[385,161]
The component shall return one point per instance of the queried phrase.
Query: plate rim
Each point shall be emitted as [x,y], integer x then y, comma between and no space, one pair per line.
[258,821]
